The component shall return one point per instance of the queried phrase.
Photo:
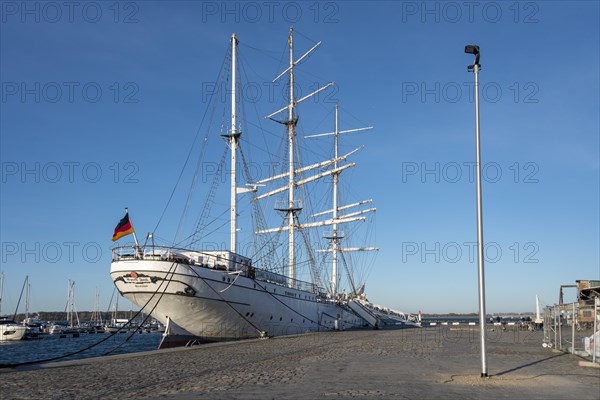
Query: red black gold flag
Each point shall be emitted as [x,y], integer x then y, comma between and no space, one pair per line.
[123,228]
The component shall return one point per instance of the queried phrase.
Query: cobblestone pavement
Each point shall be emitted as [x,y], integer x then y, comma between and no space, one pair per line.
[440,362]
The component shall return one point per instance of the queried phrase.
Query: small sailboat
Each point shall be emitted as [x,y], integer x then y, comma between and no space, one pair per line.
[72,324]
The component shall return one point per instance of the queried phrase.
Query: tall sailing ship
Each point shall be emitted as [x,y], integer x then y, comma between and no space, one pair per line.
[205,295]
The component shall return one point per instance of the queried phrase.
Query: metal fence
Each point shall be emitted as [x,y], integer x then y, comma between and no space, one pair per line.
[574,328]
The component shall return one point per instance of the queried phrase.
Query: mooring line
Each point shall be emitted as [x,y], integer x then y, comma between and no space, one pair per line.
[14,365]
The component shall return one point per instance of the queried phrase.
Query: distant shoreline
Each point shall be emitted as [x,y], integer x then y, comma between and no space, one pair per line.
[475,315]
[105,315]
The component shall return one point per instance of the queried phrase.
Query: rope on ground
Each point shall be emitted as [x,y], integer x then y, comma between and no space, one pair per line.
[14,365]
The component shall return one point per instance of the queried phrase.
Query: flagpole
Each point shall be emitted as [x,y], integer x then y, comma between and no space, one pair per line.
[137,244]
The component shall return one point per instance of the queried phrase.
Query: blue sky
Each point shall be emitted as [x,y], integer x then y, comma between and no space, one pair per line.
[101,103]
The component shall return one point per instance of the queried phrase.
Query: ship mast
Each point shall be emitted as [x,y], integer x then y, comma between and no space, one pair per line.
[335,238]
[291,126]
[233,142]
[233,138]
[292,206]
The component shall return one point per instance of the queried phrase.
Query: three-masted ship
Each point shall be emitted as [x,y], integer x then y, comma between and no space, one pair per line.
[217,295]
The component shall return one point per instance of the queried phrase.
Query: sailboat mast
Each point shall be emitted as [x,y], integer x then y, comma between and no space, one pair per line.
[70,304]
[233,141]
[115,314]
[291,125]
[27,288]
[335,242]
[1,289]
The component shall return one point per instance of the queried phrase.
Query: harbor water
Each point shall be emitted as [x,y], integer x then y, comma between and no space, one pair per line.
[53,346]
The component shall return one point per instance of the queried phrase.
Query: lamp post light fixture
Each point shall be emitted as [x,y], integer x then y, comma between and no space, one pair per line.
[475,67]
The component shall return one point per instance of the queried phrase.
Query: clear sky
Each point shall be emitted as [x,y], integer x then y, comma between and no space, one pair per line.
[101,101]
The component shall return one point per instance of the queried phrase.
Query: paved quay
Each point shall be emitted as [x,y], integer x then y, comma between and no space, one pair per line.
[428,363]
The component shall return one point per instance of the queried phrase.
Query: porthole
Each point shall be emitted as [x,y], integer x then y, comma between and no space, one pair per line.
[223,279]
[281,318]
[247,314]
[271,317]
[251,315]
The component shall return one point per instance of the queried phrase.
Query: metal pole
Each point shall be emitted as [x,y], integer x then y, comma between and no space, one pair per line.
[594,336]
[560,327]
[573,330]
[555,330]
[473,49]
[480,230]
[137,244]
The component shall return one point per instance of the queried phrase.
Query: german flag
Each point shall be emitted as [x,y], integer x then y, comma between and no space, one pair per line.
[123,228]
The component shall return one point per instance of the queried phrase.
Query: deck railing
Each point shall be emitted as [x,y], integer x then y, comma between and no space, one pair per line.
[185,256]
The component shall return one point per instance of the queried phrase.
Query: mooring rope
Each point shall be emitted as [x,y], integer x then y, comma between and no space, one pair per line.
[260,332]
[153,308]
[14,365]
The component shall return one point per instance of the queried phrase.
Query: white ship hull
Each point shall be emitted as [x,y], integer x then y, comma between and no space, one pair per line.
[204,304]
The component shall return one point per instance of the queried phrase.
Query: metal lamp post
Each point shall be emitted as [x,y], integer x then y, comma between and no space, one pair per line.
[475,67]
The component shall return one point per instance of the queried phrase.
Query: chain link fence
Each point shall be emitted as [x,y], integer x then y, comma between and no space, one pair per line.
[574,328]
